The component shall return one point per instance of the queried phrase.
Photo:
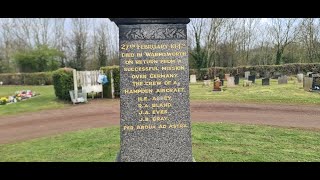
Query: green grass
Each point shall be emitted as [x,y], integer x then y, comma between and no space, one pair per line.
[291,93]
[211,142]
[46,100]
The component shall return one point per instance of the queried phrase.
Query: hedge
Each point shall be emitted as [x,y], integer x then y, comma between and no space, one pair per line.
[285,69]
[116,78]
[63,83]
[39,78]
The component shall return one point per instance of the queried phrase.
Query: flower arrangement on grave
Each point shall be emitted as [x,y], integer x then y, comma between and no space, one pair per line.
[19,96]
[3,101]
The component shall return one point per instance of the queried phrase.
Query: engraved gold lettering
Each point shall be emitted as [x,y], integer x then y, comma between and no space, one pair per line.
[144,119]
[160,111]
[163,54]
[148,83]
[173,68]
[162,126]
[138,91]
[146,126]
[170,90]
[127,54]
[161,98]
[127,127]
[174,126]
[161,105]
[163,75]
[139,76]
[160,118]
[143,99]
[144,113]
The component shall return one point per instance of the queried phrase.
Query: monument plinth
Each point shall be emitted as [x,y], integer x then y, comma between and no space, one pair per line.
[154,90]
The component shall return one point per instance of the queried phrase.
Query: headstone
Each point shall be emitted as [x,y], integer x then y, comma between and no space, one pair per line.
[307,83]
[193,78]
[247,83]
[236,79]
[1,83]
[252,78]
[246,74]
[216,86]
[316,83]
[283,80]
[230,82]
[265,81]
[257,75]
[206,82]
[205,77]
[154,90]
[309,74]
[226,76]
[300,77]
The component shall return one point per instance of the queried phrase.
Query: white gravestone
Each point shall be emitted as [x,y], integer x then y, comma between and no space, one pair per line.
[246,74]
[193,78]
[230,82]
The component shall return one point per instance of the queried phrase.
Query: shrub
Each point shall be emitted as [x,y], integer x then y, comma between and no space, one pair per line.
[63,83]
[116,78]
[39,78]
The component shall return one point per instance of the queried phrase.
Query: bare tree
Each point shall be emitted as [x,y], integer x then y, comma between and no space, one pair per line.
[199,54]
[78,43]
[102,43]
[248,38]
[230,43]
[283,32]
[40,28]
[22,33]
[263,55]
[309,35]
[59,37]
[6,45]
[213,39]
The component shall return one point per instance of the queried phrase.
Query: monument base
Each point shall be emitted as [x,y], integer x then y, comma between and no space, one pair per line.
[118,158]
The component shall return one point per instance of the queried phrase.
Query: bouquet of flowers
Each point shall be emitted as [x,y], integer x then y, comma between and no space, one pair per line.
[3,101]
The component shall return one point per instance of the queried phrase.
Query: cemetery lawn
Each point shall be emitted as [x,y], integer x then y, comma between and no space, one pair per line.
[212,142]
[291,93]
[46,100]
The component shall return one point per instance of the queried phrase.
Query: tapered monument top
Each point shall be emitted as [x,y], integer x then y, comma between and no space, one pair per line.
[128,21]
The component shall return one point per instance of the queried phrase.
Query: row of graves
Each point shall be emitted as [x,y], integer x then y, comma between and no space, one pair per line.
[311,82]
